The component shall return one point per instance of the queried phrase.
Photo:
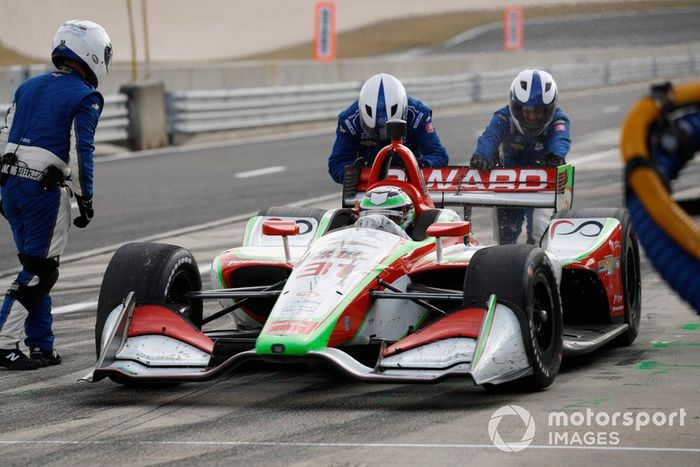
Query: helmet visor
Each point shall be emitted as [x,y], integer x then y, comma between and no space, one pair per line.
[532,119]
[393,214]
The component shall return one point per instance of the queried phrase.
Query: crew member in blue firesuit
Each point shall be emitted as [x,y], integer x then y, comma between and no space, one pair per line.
[47,140]
[530,131]
[361,131]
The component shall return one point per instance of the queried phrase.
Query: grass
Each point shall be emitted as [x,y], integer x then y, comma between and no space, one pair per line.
[402,34]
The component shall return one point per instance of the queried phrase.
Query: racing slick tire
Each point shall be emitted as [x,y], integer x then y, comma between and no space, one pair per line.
[629,264]
[521,277]
[155,272]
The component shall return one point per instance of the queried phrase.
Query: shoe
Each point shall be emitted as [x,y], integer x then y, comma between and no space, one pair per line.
[44,357]
[14,359]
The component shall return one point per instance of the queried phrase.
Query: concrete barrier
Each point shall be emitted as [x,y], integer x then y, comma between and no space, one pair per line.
[147,115]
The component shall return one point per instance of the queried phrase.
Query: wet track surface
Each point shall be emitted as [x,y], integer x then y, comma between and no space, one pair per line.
[298,416]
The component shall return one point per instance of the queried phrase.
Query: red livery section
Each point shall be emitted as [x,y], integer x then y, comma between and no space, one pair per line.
[159,320]
[463,323]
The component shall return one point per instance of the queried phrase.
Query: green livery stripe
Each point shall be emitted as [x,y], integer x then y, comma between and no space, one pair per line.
[219,271]
[300,344]
[485,331]
[323,225]
[249,229]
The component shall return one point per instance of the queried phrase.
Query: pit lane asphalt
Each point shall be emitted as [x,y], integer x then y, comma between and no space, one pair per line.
[298,417]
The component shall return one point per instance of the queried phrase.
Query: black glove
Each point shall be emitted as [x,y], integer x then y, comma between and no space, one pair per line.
[422,162]
[551,160]
[481,163]
[86,212]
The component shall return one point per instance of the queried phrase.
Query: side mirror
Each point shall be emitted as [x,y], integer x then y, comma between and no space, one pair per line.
[447,229]
[282,229]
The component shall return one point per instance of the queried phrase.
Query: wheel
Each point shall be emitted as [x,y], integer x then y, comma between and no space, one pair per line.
[521,276]
[629,264]
[155,272]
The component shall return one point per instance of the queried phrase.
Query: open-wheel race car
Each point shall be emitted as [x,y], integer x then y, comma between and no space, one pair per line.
[316,285]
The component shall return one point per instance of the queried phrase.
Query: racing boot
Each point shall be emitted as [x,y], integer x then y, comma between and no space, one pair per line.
[14,359]
[44,357]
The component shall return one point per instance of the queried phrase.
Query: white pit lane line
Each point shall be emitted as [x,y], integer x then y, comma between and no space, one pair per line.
[344,445]
[260,172]
[73,308]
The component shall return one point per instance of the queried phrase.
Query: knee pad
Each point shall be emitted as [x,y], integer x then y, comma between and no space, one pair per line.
[45,272]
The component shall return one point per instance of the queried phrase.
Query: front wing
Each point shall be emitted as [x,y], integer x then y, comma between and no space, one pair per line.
[495,354]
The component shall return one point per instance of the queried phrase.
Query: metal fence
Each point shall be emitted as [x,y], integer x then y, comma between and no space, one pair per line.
[192,112]
[113,126]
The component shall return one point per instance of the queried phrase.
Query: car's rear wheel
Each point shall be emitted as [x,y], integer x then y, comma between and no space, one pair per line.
[155,272]
[629,266]
[521,277]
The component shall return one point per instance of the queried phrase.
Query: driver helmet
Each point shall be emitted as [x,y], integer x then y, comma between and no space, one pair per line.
[533,100]
[382,98]
[85,43]
[391,202]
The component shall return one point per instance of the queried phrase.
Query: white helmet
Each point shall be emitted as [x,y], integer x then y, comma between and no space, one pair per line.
[533,100]
[382,98]
[86,43]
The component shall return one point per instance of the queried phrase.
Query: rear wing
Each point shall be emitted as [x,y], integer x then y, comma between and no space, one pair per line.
[539,187]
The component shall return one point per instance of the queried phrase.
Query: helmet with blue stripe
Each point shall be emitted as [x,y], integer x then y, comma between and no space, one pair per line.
[382,98]
[533,100]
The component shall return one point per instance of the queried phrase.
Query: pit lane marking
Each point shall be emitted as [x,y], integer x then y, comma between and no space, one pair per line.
[72,308]
[343,445]
[259,172]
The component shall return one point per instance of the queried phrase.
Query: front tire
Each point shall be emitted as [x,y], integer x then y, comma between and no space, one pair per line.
[521,277]
[155,272]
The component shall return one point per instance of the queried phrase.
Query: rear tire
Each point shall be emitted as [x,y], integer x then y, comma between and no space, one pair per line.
[521,277]
[629,264]
[155,272]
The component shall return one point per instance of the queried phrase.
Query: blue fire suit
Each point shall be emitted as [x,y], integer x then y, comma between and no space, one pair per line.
[519,150]
[352,142]
[51,122]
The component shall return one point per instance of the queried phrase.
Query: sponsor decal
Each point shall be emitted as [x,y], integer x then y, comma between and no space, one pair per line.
[348,125]
[559,125]
[585,229]
[287,327]
[562,180]
[429,127]
[462,179]
[419,117]
[608,265]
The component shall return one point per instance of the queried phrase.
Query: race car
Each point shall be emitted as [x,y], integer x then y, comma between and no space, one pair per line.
[315,285]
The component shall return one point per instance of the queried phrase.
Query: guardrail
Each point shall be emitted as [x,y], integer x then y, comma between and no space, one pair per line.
[192,112]
[113,126]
